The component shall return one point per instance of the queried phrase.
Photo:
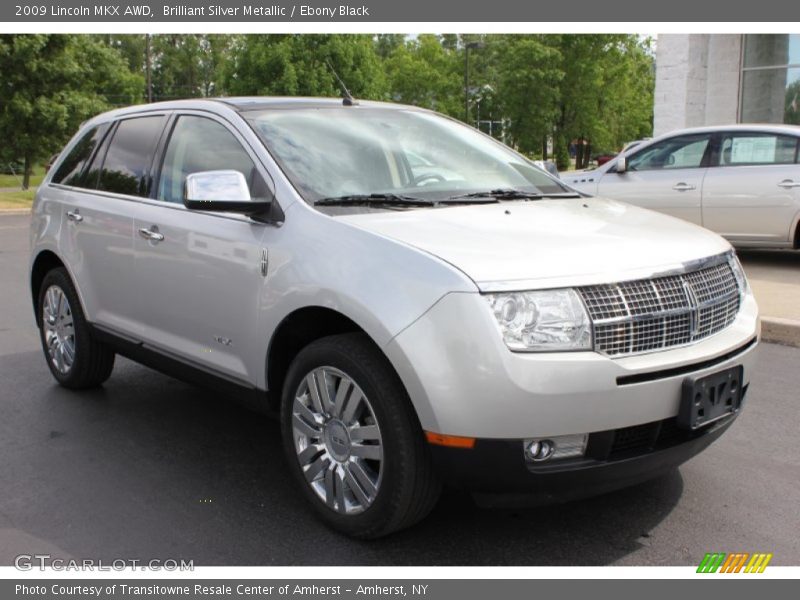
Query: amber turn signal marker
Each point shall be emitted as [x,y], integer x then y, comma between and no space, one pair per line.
[453,441]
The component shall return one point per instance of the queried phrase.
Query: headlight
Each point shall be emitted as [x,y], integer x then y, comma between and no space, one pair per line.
[738,273]
[545,321]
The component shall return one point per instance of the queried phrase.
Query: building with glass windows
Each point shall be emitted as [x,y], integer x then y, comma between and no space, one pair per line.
[718,79]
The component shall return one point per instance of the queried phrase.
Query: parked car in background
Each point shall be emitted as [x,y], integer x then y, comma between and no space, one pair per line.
[601,159]
[487,328]
[741,181]
[631,145]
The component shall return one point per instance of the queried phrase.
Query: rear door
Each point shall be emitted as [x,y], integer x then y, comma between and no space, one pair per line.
[666,176]
[752,192]
[98,200]
[200,274]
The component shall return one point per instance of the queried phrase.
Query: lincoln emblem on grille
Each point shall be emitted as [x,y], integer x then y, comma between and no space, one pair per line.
[694,314]
[665,311]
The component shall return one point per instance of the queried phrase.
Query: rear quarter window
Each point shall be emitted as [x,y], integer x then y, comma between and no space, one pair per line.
[70,171]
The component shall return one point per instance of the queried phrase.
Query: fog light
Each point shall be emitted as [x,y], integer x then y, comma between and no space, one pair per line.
[555,447]
[539,450]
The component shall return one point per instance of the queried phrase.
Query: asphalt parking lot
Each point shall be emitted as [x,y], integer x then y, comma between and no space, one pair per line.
[149,467]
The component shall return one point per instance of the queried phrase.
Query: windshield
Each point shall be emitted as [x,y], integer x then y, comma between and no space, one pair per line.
[337,152]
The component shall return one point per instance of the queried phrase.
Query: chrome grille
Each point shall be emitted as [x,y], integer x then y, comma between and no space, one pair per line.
[639,316]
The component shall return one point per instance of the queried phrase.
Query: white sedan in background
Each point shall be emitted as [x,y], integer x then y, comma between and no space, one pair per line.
[741,181]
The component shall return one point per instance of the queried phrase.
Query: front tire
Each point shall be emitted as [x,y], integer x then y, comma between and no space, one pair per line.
[75,359]
[353,440]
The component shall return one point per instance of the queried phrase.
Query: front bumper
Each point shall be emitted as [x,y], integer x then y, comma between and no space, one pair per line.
[499,473]
[464,381]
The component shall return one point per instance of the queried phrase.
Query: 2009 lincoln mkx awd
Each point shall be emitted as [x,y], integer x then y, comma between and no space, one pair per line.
[420,304]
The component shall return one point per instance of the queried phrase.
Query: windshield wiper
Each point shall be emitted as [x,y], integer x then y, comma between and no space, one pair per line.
[512,194]
[374,199]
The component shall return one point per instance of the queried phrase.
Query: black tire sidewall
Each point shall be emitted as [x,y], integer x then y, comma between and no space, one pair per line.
[60,278]
[398,427]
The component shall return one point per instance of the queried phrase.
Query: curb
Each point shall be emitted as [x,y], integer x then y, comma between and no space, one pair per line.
[14,211]
[780,331]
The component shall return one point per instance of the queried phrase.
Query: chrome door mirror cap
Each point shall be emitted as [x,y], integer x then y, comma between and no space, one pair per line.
[221,191]
[621,164]
[217,186]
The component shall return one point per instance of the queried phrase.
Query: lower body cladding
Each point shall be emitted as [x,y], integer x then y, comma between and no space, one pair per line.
[558,426]
[501,473]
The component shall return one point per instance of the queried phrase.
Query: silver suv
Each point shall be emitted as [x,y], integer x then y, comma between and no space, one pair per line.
[470,322]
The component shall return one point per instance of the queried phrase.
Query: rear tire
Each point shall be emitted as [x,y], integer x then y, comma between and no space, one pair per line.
[353,440]
[76,360]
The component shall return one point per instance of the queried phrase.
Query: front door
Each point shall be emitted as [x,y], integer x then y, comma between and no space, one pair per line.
[666,176]
[200,275]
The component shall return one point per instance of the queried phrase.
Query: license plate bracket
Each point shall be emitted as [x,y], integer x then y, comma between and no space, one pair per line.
[708,398]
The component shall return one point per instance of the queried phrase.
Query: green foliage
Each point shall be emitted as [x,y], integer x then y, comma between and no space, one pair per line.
[14,180]
[22,199]
[597,87]
[296,65]
[528,77]
[792,108]
[188,66]
[606,93]
[49,85]
[424,72]
[561,151]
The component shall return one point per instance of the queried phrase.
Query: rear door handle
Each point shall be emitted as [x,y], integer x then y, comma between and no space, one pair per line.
[74,216]
[151,234]
[682,187]
[789,183]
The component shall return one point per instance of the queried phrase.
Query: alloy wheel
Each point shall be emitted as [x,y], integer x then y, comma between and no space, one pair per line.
[337,440]
[59,329]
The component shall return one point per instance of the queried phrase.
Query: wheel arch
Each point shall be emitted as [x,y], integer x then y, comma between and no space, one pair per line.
[796,244]
[45,261]
[296,331]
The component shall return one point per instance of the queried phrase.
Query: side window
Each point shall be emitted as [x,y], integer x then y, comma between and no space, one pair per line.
[682,152]
[201,144]
[738,149]
[127,161]
[71,168]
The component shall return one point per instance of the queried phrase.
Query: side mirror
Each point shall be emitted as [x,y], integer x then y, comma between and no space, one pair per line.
[621,165]
[221,191]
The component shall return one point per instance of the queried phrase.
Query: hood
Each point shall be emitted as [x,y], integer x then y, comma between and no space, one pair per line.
[547,243]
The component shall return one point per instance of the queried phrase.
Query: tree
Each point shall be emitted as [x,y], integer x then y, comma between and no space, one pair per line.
[528,77]
[386,43]
[50,84]
[606,93]
[423,72]
[297,65]
[188,66]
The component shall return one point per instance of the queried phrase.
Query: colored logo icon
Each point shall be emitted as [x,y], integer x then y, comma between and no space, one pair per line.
[737,562]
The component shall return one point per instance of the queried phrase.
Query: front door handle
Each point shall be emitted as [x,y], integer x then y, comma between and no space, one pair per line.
[682,187]
[74,216]
[151,234]
[789,183]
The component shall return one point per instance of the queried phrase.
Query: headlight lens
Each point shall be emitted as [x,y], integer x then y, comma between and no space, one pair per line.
[738,273]
[543,321]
